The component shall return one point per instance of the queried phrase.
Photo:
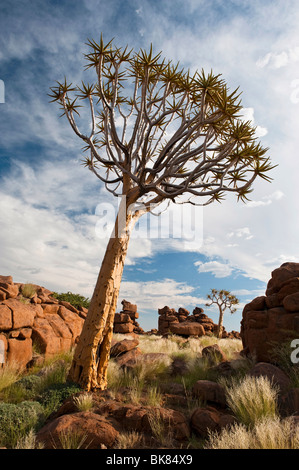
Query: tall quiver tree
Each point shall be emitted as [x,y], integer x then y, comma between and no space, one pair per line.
[156,134]
[224,301]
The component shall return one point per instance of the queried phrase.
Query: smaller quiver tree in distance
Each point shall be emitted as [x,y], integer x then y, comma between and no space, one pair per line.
[224,300]
[156,134]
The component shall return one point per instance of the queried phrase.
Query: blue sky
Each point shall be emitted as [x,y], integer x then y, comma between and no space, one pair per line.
[48,200]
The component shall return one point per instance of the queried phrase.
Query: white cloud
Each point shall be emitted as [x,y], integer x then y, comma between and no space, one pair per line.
[276,60]
[267,200]
[247,114]
[152,295]
[48,226]
[243,232]
[46,247]
[215,267]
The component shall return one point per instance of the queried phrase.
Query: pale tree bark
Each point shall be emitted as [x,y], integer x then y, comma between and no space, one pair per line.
[220,323]
[90,362]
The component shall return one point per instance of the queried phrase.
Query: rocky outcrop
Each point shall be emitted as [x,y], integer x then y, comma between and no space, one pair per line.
[140,418]
[32,320]
[125,321]
[209,392]
[125,352]
[95,431]
[182,323]
[273,319]
[209,419]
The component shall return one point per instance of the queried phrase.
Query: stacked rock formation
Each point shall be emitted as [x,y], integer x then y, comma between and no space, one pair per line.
[183,324]
[125,321]
[273,319]
[39,319]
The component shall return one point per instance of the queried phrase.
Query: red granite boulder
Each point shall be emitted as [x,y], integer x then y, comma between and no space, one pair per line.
[271,320]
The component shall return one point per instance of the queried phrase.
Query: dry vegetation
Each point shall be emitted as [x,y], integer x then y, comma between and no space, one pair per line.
[26,400]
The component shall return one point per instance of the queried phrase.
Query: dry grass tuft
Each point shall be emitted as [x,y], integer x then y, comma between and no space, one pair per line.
[268,433]
[251,399]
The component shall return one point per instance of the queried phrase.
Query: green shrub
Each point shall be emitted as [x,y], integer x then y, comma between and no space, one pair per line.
[53,374]
[17,420]
[198,369]
[24,389]
[76,300]
[30,384]
[56,394]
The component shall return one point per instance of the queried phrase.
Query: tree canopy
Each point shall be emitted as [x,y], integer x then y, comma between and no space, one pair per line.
[158,132]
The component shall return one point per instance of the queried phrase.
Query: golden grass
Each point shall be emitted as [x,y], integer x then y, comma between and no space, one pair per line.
[9,374]
[251,399]
[83,402]
[267,433]
[128,440]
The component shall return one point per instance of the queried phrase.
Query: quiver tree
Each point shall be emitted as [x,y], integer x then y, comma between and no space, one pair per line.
[224,300]
[156,134]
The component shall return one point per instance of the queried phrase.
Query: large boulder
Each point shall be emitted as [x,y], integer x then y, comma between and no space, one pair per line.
[187,328]
[121,347]
[273,373]
[214,354]
[271,320]
[19,351]
[206,420]
[142,418]
[36,319]
[209,392]
[93,430]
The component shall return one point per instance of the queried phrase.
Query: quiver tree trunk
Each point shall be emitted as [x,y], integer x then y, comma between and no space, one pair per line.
[90,362]
[220,323]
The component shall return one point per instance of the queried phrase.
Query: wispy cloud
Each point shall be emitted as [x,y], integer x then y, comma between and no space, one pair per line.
[152,295]
[267,200]
[216,268]
[276,60]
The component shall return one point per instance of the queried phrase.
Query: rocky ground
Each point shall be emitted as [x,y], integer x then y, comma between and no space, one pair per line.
[180,388]
[162,394]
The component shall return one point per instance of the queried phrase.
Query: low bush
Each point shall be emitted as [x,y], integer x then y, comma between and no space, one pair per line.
[16,421]
[24,389]
[76,300]
[55,395]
